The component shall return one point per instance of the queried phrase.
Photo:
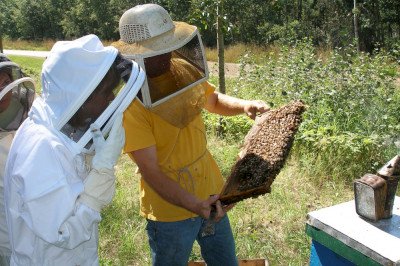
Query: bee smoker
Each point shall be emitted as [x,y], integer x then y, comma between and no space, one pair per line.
[374,194]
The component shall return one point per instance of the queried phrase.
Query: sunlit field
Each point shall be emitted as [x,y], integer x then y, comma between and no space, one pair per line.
[349,129]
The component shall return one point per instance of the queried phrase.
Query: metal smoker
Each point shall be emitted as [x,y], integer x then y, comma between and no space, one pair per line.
[374,194]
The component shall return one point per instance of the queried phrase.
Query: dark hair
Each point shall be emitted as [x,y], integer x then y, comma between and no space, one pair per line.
[124,67]
[120,69]
[108,83]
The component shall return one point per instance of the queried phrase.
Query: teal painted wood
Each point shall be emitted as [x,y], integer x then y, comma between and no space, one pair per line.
[323,256]
[339,247]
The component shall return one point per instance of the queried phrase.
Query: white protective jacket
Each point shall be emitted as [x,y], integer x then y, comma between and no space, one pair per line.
[45,169]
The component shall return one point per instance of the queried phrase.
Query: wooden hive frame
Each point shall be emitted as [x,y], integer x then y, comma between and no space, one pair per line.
[264,152]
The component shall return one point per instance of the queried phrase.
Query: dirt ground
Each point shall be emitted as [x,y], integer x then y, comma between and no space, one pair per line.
[231,69]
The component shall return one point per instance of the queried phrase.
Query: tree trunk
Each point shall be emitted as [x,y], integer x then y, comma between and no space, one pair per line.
[380,30]
[221,59]
[287,12]
[1,43]
[356,37]
[299,9]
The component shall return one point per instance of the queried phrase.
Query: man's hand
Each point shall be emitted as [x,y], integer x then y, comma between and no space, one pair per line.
[205,207]
[254,108]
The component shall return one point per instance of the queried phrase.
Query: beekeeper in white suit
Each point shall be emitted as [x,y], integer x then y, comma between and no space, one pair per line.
[54,190]
[16,97]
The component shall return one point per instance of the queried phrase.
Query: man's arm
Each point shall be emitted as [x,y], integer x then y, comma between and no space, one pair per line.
[223,104]
[168,189]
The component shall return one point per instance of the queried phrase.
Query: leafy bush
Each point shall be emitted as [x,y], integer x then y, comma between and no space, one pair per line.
[394,48]
[284,34]
[352,119]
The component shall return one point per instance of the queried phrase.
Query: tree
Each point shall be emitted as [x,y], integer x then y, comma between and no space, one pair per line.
[39,19]
[299,9]
[90,16]
[327,22]
[390,19]
[7,22]
[221,56]
[356,37]
[203,15]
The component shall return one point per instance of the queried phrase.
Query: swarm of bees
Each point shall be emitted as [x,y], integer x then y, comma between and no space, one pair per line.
[264,152]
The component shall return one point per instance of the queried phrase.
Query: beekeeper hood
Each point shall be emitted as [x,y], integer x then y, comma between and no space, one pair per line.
[172,55]
[16,95]
[70,75]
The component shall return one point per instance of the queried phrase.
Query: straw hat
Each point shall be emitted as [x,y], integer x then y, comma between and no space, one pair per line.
[148,30]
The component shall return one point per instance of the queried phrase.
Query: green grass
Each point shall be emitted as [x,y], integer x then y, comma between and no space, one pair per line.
[31,66]
[123,240]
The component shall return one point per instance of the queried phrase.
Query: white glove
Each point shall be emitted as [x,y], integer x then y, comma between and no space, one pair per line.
[108,151]
[99,185]
[99,189]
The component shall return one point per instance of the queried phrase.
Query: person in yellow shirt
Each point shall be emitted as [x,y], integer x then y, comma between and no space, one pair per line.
[165,136]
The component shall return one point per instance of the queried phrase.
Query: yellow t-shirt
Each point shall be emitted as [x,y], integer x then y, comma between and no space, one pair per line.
[182,155]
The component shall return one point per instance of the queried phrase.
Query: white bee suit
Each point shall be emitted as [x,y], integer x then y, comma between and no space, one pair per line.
[49,223]
[37,220]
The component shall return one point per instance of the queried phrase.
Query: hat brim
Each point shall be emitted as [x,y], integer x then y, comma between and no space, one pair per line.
[171,40]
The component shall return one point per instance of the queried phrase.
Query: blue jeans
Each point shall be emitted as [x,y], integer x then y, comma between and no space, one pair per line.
[171,242]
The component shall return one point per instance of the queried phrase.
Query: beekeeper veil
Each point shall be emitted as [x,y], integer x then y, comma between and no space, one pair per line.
[16,95]
[172,55]
[83,83]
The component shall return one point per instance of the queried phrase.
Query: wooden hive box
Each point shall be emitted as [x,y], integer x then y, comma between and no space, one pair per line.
[265,149]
